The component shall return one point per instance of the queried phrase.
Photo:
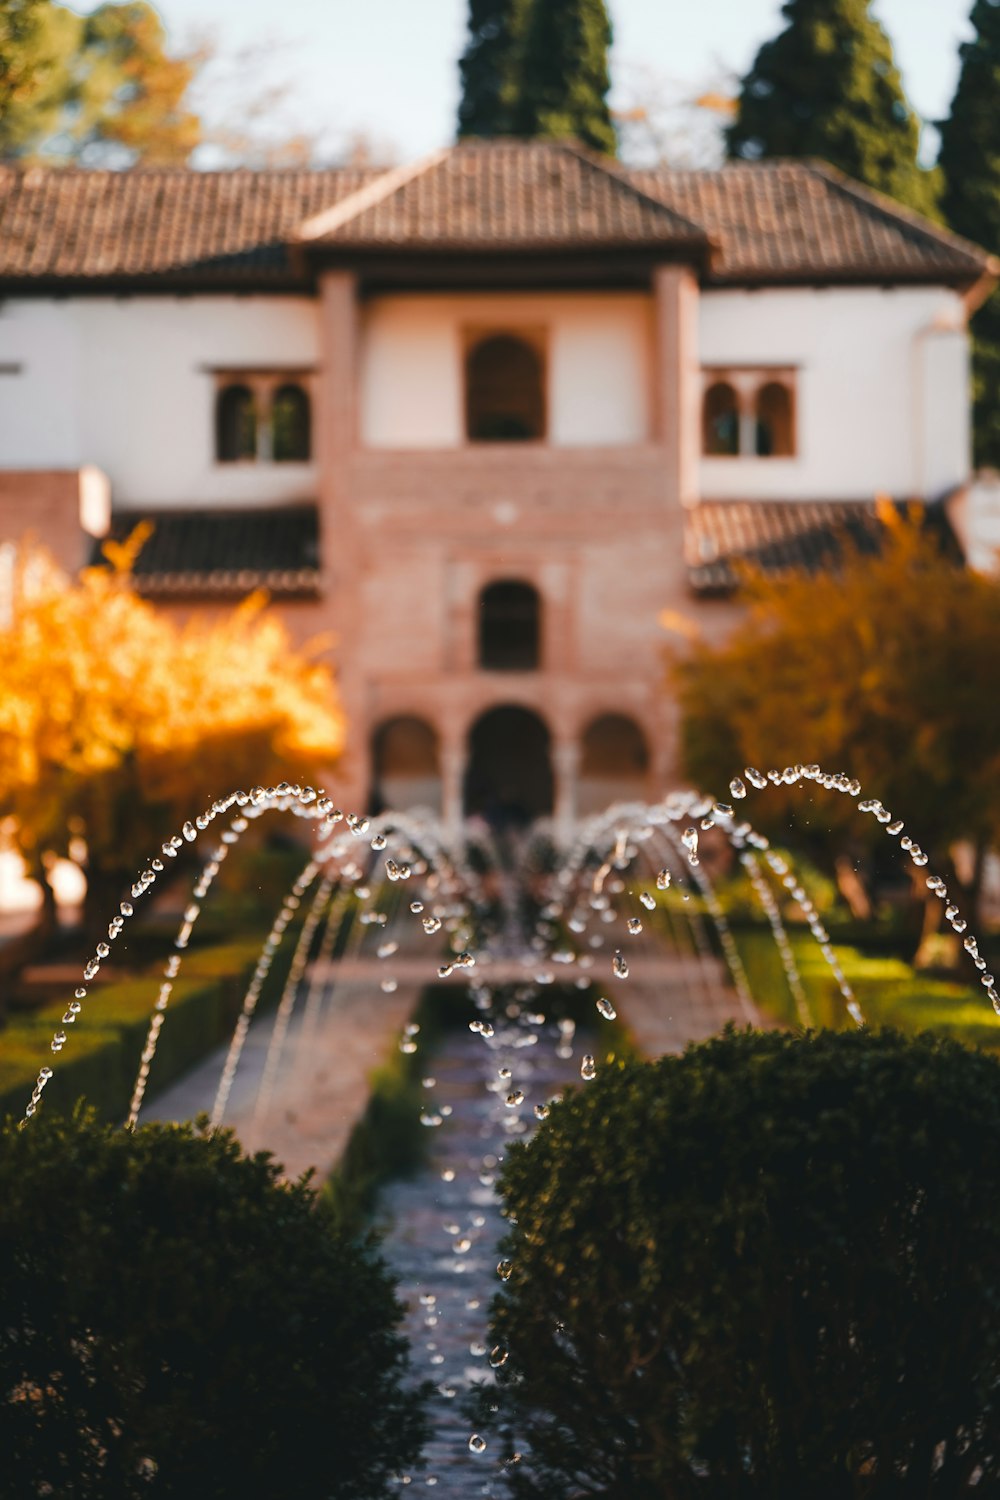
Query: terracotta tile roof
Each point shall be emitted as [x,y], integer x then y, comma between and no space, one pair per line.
[227,553]
[772,536]
[505,194]
[784,220]
[770,221]
[73,224]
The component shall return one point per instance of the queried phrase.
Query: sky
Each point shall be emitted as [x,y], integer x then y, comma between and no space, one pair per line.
[387,68]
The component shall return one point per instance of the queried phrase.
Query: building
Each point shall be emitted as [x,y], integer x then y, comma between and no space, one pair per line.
[484,418]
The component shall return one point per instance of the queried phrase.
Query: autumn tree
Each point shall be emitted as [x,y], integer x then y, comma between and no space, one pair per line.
[828,86]
[117,724]
[884,668]
[99,89]
[538,69]
[970,163]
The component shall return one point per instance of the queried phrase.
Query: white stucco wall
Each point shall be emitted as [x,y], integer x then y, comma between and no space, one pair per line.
[882,389]
[126,384]
[597,357]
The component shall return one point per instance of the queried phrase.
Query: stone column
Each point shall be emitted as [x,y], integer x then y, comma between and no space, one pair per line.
[566,768]
[677,387]
[335,434]
[452,777]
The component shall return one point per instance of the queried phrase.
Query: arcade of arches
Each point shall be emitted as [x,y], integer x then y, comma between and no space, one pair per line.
[508,767]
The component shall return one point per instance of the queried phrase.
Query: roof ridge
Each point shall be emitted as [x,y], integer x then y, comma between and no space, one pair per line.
[355,203]
[893,209]
[618,173]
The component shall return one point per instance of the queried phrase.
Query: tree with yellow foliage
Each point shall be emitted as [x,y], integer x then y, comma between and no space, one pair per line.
[885,669]
[117,724]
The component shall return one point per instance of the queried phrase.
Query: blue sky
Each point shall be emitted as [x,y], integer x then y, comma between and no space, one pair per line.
[388,67]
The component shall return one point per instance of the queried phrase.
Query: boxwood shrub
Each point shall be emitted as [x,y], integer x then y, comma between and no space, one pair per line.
[768,1267]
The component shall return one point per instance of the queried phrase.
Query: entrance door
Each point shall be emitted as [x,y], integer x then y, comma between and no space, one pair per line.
[509,776]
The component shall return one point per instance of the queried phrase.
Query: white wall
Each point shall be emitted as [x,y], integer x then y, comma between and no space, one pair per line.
[125,384]
[882,389]
[597,354]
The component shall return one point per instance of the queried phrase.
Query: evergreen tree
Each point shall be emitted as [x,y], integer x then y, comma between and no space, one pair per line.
[490,67]
[537,68]
[827,86]
[564,74]
[970,163]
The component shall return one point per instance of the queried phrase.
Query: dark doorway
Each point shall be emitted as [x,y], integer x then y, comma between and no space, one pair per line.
[509,776]
[509,627]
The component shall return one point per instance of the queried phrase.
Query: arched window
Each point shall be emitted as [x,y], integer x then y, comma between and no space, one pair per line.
[720,421]
[773,413]
[504,391]
[509,627]
[235,424]
[290,425]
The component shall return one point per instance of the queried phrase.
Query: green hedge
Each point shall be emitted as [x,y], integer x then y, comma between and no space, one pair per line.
[104,1046]
[889,991]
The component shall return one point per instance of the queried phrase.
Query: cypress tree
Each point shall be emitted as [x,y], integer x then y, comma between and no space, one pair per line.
[490,67]
[970,162]
[828,86]
[564,74]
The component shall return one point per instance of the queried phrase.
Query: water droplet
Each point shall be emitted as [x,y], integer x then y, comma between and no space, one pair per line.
[477,1444]
[648,901]
[91,969]
[503,1073]
[432,924]
[386,950]
[542,1111]
[663,880]
[588,1068]
[190,832]
[619,965]
[689,838]
[606,1009]
[504,1269]
[448,1175]
[634,926]
[389,986]
[498,1356]
[416,907]
[737,788]
[755,778]
[44,1074]
[81,994]
[514,1099]
[126,908]
[721,810]
[103,950]
[379,841]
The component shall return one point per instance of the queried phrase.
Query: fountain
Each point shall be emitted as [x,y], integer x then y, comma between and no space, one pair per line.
[630,886]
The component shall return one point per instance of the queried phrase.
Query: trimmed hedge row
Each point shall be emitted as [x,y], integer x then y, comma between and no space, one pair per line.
[889,991]
[104,1047]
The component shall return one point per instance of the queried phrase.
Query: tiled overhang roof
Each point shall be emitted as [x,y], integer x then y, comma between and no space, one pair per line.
[721,537]
[524,195]
[225,553]
[765,221]
[217,226]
